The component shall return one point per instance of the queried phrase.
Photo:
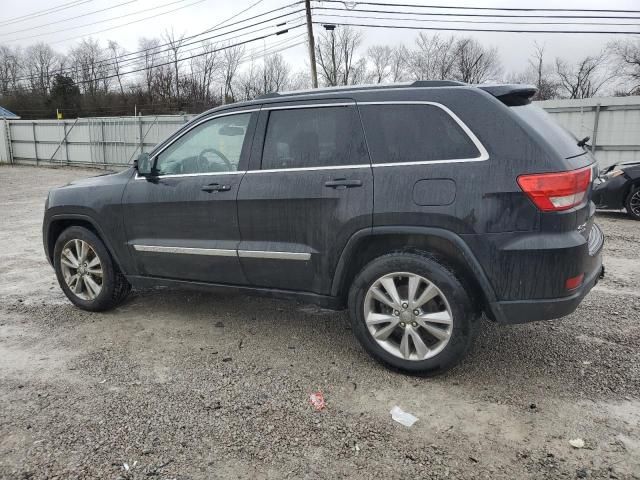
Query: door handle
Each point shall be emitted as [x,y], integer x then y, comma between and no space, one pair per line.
[216,187]
[342,183]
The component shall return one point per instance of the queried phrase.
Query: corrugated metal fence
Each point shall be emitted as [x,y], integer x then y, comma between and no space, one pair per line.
[613,123]
[101,142]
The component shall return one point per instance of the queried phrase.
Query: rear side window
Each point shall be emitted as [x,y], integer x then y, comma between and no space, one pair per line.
[540,121]
[414,133]
[313,137]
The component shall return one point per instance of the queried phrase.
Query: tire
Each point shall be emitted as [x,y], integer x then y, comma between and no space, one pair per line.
[113,286]
[451,300]
[632,203]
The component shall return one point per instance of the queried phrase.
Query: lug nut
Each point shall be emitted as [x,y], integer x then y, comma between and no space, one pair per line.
[414,324]
[405,305]
[396,313]
[402,324]
[416,312]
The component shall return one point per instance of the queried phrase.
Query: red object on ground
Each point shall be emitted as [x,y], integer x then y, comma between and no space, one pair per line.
[317,400]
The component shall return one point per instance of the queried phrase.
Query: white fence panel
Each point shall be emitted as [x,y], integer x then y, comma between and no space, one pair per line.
[104,142]
[613,123]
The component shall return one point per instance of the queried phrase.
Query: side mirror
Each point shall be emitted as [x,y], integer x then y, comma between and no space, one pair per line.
[144,165]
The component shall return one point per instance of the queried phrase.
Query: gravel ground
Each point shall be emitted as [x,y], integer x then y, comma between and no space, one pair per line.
[177,385]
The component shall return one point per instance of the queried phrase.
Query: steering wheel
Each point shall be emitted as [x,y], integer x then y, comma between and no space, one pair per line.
[203,162]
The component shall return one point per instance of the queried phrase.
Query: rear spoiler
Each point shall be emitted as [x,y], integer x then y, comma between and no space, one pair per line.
[511,95]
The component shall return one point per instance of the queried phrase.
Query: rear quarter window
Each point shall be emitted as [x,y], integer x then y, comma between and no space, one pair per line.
[414,133]
[537,119]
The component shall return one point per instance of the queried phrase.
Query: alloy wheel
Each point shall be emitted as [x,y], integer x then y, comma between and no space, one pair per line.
[634,203]
[81,269]
[408,316]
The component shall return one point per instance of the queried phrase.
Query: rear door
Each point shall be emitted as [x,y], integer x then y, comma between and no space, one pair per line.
[182,222]
[308,189]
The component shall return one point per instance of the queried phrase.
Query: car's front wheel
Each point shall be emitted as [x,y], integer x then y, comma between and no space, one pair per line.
[633,203]
[412,313]
[86,272]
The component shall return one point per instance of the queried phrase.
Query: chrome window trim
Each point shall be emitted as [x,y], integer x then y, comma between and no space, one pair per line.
[484,155]
[223,252]
[217,252]
[191,127]
[307,169]
[178,175]
[274,255]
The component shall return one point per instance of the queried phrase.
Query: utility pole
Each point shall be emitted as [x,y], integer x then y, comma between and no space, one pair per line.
[312,45]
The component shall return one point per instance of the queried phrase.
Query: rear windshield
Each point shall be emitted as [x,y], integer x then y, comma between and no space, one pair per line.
[539,120]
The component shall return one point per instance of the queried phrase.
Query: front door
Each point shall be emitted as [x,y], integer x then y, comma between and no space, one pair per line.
[308,189]
[182,223]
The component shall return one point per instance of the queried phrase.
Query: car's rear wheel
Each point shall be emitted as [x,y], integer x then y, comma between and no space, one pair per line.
[86,272]
[632,203]
[412,313]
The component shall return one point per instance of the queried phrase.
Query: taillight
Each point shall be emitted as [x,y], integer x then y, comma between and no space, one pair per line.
[552,192]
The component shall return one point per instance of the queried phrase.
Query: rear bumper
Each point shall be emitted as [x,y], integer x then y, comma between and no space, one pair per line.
[546,309]
[530,310]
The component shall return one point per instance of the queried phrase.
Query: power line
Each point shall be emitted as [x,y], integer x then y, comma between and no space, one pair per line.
[192,56]
[502,9]
[69,18]
[139,60]
[490,15]
[40,13]
[492,30]
[109,20]
[112,61]
[460,15]
[617,24]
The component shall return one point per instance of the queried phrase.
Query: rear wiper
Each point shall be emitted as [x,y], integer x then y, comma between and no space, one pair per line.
[583,142]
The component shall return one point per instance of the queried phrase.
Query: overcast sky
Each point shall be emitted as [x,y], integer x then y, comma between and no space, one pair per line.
[194,16]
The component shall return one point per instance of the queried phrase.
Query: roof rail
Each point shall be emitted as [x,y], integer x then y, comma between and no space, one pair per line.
[437,83]
[346,88]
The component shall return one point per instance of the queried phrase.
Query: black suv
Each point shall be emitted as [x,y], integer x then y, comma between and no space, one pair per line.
[418,206]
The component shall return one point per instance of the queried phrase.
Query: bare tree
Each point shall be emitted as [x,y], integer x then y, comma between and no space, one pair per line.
[248,82]
[433,58]
[545,83]
[9,69]
[399,63]
[474,63]
[585,78]
[336,56]
[116,52]
[275,73]
[40,64]
[203,70]
[626,55]
[174,44]
[381,59]
[231,59]
[149,48]
[90,67]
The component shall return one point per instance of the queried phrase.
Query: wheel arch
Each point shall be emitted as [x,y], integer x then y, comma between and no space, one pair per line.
[59,223]
[445,246]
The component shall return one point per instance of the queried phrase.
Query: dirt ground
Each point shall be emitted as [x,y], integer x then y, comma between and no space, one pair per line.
[176,385]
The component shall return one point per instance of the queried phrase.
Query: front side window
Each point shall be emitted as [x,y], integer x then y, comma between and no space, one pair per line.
[313,137]
[212,147]
[414,133]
